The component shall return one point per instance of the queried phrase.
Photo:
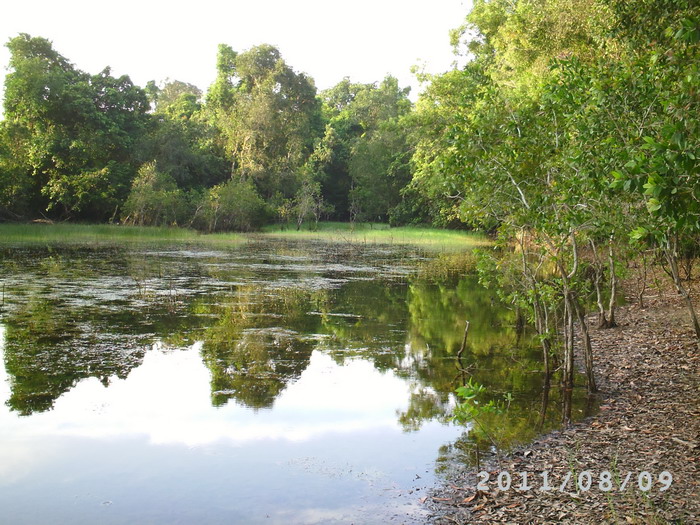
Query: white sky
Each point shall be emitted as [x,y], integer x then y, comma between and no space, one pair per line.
[155,40]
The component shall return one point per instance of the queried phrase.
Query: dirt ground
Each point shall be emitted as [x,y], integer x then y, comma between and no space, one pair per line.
[648,370]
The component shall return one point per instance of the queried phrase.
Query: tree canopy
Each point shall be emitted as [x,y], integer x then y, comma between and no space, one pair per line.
[71,136]
[78,146]
[573,124]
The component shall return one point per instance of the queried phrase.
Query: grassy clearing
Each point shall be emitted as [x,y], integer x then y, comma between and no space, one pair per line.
[433,238]
[66,233]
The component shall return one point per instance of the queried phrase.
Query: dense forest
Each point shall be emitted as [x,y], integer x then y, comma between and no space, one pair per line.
[571,132]
[262,145]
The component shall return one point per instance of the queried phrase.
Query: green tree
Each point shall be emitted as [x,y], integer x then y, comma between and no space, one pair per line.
[309,203]
[233,205]
[268,115]
[521,38]
[182,139]
[175,96]
[371,153]
[155,199]
[662,169]
[75,132]
[18,191]
[187,149]
[496,155]
[379,170]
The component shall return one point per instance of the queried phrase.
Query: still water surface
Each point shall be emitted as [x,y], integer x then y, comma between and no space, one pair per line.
[268,382]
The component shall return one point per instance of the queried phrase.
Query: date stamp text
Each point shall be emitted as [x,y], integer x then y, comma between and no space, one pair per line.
[583,481]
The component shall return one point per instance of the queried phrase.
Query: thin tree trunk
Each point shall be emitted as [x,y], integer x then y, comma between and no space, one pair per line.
[540,310]
[642,286]
[542,329]
[545,404]
[671,253]
[553,356]
[568,379]
[462,370]
[587,348]
[613,285]
[567,394]
[598,267]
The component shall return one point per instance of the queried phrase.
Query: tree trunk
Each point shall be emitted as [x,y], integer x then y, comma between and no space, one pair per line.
[598,267]
[568,379]
[544,406]
[587,348]
[542,331]
[671,252]
[613,286]
[540,311]
[566,395]
[460,364]
[642,281]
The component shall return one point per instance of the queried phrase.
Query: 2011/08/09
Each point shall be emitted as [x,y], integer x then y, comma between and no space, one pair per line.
[584,481]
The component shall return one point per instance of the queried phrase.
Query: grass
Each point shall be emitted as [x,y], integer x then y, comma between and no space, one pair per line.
[103,234]
[426,237]
[69,233]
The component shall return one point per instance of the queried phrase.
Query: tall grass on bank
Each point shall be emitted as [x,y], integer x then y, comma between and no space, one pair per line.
[66,233]
[365,233]
[358,234]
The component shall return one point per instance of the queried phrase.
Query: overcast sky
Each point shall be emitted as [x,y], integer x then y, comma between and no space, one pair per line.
[155,40]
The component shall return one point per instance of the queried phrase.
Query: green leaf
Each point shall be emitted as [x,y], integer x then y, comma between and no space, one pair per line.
[639,233]
[653,205]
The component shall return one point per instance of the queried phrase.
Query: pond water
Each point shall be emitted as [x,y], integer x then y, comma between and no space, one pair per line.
[265,382]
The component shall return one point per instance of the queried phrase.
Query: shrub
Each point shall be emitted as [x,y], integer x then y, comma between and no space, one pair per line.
[155,199]
[233,205]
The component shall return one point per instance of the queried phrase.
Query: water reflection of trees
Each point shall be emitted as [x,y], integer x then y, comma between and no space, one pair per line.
[49,349]
[264,338]
[496,355]
[74,312]
[259,337]
[258,346]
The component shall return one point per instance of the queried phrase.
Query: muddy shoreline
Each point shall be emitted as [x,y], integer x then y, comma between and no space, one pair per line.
[648,371]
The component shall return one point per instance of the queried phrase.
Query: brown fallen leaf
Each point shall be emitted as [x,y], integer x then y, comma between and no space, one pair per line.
[690,444]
